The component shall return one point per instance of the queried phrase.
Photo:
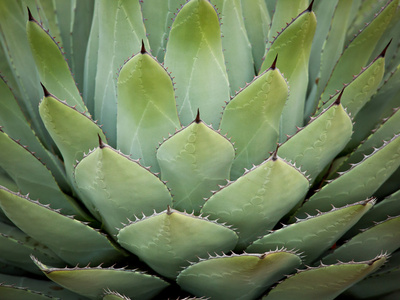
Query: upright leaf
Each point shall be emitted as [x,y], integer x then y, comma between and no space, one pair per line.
[202,83]
[146,108]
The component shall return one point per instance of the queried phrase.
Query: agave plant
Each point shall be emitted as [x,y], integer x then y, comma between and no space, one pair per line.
[246,150]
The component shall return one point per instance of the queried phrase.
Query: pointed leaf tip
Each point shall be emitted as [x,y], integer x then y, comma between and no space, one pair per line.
[384,50]
[309,8]
[337,102]
[275,154]
[31,18]
[143,50]
[45,91]
[197,120]
[273,66]
[101,144]
[169,211]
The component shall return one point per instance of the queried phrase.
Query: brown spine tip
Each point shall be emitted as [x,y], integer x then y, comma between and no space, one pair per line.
[309,8]
[143,50]
[273,66]
[169,211]
[45,91]
[198,120]
[384,50]
[101,144]
[31,18]
[275,154]
[337,101]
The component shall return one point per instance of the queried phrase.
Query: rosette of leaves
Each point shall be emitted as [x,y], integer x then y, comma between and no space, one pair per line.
[246,150]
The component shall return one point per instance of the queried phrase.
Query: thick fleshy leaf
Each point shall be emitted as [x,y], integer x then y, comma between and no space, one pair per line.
[359,91]
[259,199]
[194,162]
[324,282]
[356,55]
[73,132]
[126,31]
[360,182]
[16,248]
[294,65]
[242,277]
[9,292]
[91,282]
[109,295]
[169,240]
[314,146]
[236,44]
[257,21]
[32,176]
[102,177]
[252,117]
[79,243]
[146,108]
[202,83]
[381,238]
[314,235]
[52,66]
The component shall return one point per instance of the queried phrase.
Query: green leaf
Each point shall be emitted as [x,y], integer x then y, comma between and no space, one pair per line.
[201,83]
[251,119]
[236,44]
[294,65]
[79,243]
[313,235]
[360,182]
[169,240]
[242,277]
[91,282]
[356,55]
[102,176]
[121,32]
[381,238]
[12,292]
[146,108]
[52,66]
[194,161]
[317,144]
[16,248]
[108,295]
[257,21]
[324,282]
[32,176]
[73,132]
[359,91]
[259,199]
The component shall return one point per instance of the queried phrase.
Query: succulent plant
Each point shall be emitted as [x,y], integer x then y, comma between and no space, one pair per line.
[246,150]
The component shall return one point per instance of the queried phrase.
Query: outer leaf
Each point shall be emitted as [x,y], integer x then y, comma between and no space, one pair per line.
[193,162]
[102,177]
[360,182]
[12,292]
[73,132]
[90,282]
[382,238]
[325,282]
[169,240]
[79,244]
[16,248]
[237,48]
[241,277]
[314,235]
[126,31]
[252,120]
[259,199]
[314,147]
[146,108]
[356,55]
[32,176]
[52,67]
[202,83]
[294,65]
